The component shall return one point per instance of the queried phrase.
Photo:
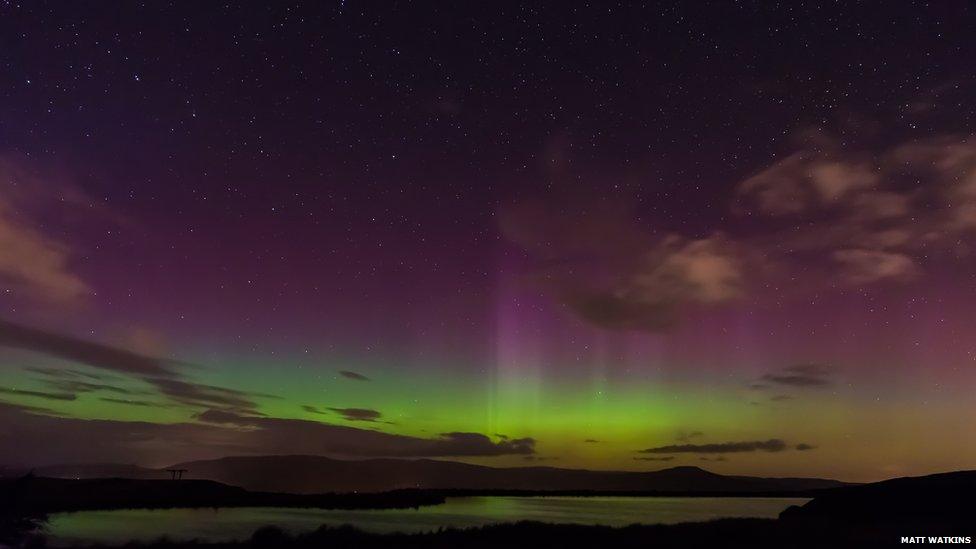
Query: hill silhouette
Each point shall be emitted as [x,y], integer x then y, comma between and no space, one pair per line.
[941,497]
[317,474]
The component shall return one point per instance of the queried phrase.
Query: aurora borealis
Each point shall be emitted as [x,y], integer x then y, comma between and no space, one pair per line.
[580,235]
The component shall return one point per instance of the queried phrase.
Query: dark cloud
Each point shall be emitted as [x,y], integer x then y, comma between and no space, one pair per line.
[780,398]
[804,446]
[82,351]
[795,380]
[475,444]
[353,375]
[158,372]
[357,414]
[718,458]
[40,410]
[87,387]
[202,395]
[31,436]
[771,445]
[312,409]
[591,440]
[142,403]
[38,394]
[34,437]
[665,458]
[223,417]
[801,375]
[65,373]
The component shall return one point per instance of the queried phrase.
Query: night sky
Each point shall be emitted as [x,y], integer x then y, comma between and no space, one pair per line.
[737,235]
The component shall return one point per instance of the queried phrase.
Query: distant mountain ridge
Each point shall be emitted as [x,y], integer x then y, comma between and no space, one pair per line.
[301,474]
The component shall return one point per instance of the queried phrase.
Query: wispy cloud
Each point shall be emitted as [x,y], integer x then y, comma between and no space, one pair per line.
[38,394]
[82,351]
[349,374]
[801,375]
[141,403]
[163,374]
[31,262]
[771,445]
[357,414]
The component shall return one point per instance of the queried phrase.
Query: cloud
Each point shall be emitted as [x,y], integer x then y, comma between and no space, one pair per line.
[223,417]
[357,414]
[160,373]
[591,440]
[64,373]
[674,274]
[873,214]
[609,271]
[780,398]
[30,261]
[804,447]
[38,394]
[141,403]
[82,351]
[806,181]
[800,375]
[717,458]
[87,387]
[353,375]
[195,394]
[835,213]
[860,267]
[33,438]
[771,445]
[665,458]
[474,444]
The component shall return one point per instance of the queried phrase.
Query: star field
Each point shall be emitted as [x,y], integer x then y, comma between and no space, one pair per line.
[250,225]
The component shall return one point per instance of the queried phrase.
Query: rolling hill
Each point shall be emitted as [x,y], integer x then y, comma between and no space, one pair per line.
[317,474]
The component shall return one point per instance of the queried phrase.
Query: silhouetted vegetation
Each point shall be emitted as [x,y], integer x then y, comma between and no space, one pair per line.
[25,502]
[718,533]
[49,495]
[873,515]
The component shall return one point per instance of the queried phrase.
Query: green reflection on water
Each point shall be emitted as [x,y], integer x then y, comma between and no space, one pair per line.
[227,524]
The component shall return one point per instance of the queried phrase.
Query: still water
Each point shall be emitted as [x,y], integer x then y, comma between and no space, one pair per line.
[228,524]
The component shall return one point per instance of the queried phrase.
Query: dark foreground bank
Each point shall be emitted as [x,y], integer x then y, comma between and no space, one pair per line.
[38,495]
[932,510]
[761,533]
